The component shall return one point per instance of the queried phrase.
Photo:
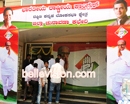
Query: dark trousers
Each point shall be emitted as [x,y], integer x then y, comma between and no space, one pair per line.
[23,83]
[35,90]
[25,90]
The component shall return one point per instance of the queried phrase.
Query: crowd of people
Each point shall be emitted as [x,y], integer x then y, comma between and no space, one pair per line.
[50,79]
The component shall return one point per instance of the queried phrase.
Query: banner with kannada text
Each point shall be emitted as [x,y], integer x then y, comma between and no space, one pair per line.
[76,14]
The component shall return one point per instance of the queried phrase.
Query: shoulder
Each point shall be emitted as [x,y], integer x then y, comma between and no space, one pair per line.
[113,23]
[35,60]
[13,27]
[43,68]
[127,22]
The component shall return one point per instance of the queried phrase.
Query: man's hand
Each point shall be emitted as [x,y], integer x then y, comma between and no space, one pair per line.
[43,84]
[119,53]
[9,51]
[64,81]
[28,84]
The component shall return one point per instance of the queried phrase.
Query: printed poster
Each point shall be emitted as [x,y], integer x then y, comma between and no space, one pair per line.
[84,58]
[8,65]
[118,64]
[75,14]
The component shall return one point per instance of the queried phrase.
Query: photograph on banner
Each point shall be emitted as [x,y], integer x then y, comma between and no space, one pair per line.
[8,65]
[83,59]
[118,64]
[7,19]
[88,13]
[120,8]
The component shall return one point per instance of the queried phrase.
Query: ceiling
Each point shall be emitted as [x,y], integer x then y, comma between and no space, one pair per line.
[52,34]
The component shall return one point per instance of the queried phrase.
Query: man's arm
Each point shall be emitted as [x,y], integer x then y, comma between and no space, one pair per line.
[63,75]
[112,55]
[126,57]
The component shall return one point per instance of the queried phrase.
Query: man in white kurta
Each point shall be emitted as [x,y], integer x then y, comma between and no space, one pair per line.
[118,67]
[8,68]
[39,62]
[51,61]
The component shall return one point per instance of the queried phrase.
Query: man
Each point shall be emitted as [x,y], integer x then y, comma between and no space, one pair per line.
[34,82]
[62,62]
[26,62]
[120,9]
[56,73]
[43,82]
[51,61]
[118,67]
[27,69]
[8,68]
[64,51]
[39,62]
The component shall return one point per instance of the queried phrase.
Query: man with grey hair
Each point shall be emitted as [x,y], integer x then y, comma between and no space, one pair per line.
[118,60]
[39,62]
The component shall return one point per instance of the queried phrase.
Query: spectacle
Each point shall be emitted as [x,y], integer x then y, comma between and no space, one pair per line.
[121,44]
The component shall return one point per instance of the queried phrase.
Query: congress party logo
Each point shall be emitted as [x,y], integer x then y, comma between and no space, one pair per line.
[8,35]
[85,64]
[121,32]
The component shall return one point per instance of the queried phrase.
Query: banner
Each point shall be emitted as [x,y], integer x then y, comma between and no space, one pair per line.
[118,64]
[83,58]
[8,66]
[93,13]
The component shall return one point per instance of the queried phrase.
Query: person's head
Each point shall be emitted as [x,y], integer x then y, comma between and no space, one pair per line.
[64,51]
[39,56]
[57,60]
[35,65]
[120,8]
[7,45]
[121,44]
[31,62]
[46,64]
[7,14]
[28,56]
[59,56]
[51,56]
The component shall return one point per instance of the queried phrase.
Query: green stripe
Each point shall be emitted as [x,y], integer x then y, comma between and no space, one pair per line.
[25,25]
[96,89]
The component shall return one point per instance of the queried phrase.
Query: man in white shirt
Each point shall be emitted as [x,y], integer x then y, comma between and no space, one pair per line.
[27,69]
[62,62]
[118,61]
[43,82]
[34,82]
[51,61]
[8,68]
[56,73]
[39,62]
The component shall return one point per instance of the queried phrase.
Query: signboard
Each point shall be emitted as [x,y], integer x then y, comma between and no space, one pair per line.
[93,13]
[118,64]
[8,66]
[83,59]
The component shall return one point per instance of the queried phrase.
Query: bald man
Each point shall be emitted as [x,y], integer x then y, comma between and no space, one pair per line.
[7,68]
[119,59]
